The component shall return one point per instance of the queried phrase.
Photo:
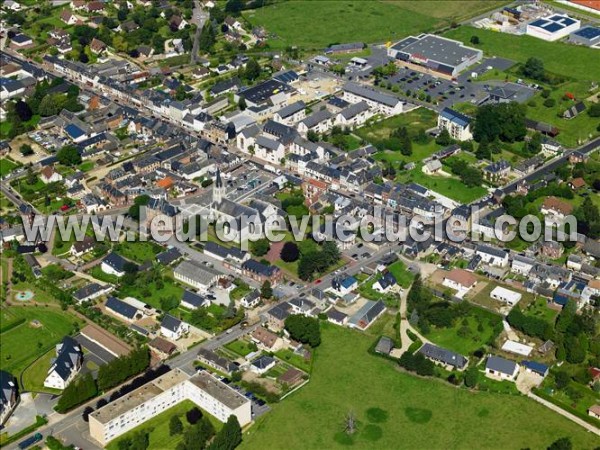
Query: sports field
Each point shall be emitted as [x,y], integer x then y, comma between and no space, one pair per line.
[315,24]
[397,410]
[571,61]
[21,345]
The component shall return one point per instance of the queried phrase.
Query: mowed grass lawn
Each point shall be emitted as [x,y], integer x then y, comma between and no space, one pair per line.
[140,252]
[450,187]
[6,166]
[24,343]
[571,61]
[397,410]
[466,343]
[371,20]
[35,374]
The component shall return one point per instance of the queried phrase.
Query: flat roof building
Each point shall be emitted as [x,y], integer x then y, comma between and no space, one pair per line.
[155,397]
[436,53]
[553,28]
[589,36]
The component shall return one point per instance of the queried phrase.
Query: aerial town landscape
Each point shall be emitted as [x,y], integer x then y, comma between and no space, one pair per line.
[299,224]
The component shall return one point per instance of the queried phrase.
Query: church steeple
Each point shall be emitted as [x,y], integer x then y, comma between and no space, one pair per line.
[218,188]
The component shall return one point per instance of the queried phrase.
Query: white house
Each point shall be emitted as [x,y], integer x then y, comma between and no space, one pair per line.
[354,115]
[505,295]
[460,280]
[291,114]
[319,122]
[269,149]
[262,364]
[385,283]
[457,124]
[66,365]
[522,265]
[344,286]
[114,264]
[250,300]
[49,175]
[173,328]
[492,256]
[500,368]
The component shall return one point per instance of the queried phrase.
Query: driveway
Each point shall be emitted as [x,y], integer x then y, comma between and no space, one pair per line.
[23,415]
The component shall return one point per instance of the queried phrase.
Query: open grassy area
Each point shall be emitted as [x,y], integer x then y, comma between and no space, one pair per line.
[152,295]
[571,61]
[468,333]
[293,359]
[346,378]
[6,166]
[241,347]
[379,133]
[24,343]
[573,130]
[372,21]
[449,186]
[158,428]
[139,252]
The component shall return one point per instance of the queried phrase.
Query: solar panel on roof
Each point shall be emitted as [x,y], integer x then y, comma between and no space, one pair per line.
[553,27]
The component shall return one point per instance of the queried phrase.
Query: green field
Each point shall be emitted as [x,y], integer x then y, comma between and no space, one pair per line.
[572,61]
[397,410]
[23,344]
[139,252]
[449,186]
[158,428]
[370,21]
[453,339]
[153,295]
[378,133]
[6,166]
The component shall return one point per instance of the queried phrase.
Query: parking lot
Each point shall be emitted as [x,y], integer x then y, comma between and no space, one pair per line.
[465,89]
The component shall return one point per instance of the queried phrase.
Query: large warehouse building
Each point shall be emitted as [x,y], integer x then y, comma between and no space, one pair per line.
[589,36]
[436,53]
[155,397]
[553,28]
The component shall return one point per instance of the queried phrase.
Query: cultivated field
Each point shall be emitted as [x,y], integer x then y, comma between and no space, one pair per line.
[312,24]
[396,410]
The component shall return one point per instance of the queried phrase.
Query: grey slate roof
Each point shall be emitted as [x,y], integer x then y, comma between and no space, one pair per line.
[498,364]
[445,356]
[122,308]
[170,323]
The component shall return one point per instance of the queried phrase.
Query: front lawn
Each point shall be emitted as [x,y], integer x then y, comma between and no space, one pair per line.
[34,375]
[241,347]
[346,378]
